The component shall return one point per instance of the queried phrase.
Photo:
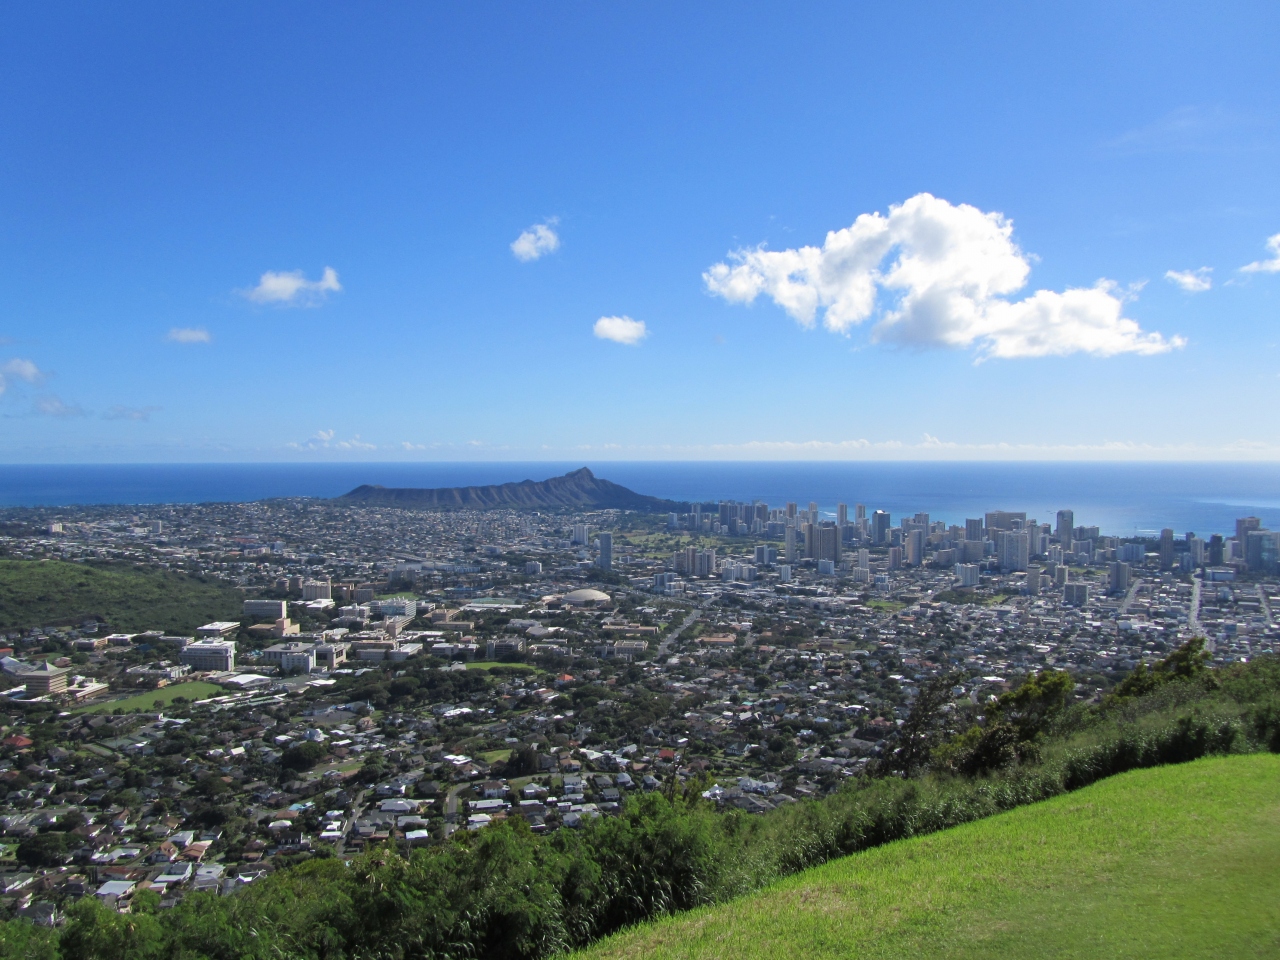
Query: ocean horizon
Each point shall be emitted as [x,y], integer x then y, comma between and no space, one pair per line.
[1123,499]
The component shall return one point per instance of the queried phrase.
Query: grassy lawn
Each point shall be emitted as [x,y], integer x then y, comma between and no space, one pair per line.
[1180,861]
[889,606]
[490,664]
[38,593]
[493,756]
[145,702]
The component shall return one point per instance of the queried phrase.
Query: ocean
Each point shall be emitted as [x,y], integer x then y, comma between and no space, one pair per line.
[1123,499]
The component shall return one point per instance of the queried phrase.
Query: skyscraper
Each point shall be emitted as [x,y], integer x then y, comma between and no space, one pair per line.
[1166,548]
[1012,550]
[915,546]
[791,540]
[605,559]
[791,511]
[973,530]
[1118,577]
[842,514]
[880,523]
[1066,526]
[1243,526]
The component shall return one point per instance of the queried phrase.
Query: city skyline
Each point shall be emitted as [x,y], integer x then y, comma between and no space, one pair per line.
[441,235]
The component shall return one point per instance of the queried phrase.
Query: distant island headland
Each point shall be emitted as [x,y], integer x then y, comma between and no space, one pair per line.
[579,488]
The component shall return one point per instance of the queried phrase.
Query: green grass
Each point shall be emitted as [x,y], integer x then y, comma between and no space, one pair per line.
[145,702]
[493,756]
[37,593]
[490,664]
[1179,861]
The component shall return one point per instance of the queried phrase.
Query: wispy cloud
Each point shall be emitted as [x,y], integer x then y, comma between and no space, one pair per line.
[1193,129]
[1266,266]
[188,335]
[936,274]
[327,440]
[18,369]
[51,405]
[620,330]
[537,241]
[292,288]
[1192,281]
[130,413]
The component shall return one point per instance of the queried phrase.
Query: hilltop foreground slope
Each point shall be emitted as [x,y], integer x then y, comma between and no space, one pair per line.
[1179,861]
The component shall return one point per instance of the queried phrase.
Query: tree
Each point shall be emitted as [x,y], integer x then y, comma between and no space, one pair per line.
[925,726]
[1034,704]
[1185,663]
[43,850]
[302,756]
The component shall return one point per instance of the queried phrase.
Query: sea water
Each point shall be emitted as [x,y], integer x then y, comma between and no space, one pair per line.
[1123,499]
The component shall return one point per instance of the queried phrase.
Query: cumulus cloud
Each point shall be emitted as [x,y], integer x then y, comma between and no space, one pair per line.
[935,274]
[292,288]
[52,406]
[1192,281]
[18,369]
[188,335]
[537,241]
[130,413]
[1266,266]
[621,330]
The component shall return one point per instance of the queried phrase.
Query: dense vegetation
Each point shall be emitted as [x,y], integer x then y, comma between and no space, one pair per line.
[128,599]
[505,892]
[1081,875]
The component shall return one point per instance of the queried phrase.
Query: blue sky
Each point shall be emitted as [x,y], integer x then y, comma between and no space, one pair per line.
[285,231]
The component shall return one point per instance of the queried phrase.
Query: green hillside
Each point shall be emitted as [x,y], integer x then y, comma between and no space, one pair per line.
[1179,861]
[41,593]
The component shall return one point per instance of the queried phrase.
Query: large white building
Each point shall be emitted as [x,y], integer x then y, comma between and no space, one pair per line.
[266,609]
[209,654]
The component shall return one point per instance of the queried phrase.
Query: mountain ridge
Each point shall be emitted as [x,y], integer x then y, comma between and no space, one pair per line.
[578,488]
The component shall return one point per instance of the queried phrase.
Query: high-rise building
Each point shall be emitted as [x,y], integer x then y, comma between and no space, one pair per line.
[859,511]
[1003,519]
[813,512]
[791,511]
[605,560]
[784,573]
[790,540]
[1012,550]
[1075,594]
[914,541]
[842,515]
[822,541]
[691,560]
[1214,551]
[1243,526]
[895,558]
[1117,577]
[706,563]
[1195,547]
[864,559]
[922,520]
[209,654]
[1066,525]
[973,530]
[966,574]
[580,532]
[880,523]
[1166,549]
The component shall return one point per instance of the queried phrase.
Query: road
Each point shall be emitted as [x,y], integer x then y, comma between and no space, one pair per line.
[1128,597]
[1193,613]
[688,621]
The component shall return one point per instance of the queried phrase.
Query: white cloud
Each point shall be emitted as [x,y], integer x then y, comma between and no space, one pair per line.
[130,413]
[53,406]
[188,335]
[949,268]
[621,330]
[292,288]
[1266,266]
[537,241]
[326,440]
[18,369]
[1192,281]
